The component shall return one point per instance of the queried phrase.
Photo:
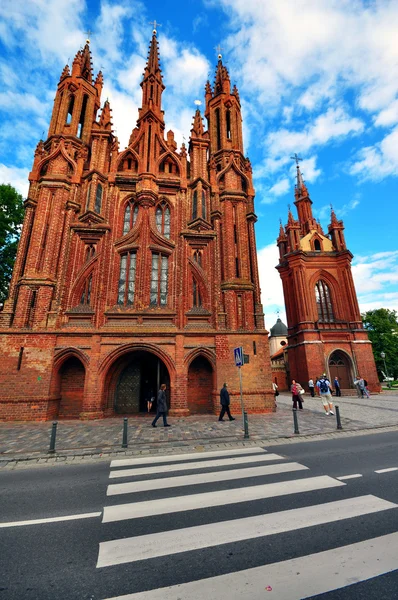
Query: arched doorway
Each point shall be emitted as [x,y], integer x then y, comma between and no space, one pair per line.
[200,386]
[340,366]
[72,376]
[138,377]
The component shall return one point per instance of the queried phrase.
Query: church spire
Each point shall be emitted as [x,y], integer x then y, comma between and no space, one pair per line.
[152,82]
[303,201]
[197,125]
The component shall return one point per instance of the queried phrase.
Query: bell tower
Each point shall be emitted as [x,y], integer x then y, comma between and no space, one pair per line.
[325,330]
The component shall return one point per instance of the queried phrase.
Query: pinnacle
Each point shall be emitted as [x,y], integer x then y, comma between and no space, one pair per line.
[197,126]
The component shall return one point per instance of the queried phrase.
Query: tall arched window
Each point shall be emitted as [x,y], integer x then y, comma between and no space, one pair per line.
[98,198]
[323,302]
[86,292]
[162,216]
[197,256]
[196,299]
[88,196]
[70,110]
[317,246]
[195,205]
[130,217]
[203,205]
[159,279]
[127,279]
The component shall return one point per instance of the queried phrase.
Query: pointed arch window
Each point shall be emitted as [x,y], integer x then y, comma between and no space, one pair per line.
[126,290]
[228,124]
[86,292]
[195,205]
[162,216]
[197,256]
[203,205]
[70,110]
[196,297]
[90,252]
[159,280]
[88,196]
[317,246]
[98,198]
[130,216]
[323,302]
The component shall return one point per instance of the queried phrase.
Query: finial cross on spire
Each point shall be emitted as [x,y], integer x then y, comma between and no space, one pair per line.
[296,158]
[155,25]
[88,33]
[218,50]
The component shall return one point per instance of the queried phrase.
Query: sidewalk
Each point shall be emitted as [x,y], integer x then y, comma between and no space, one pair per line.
[22,441]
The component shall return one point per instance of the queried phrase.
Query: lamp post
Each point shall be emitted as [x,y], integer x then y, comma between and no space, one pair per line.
[383,356]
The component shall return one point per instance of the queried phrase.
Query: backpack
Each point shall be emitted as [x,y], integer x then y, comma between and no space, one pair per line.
[323,386]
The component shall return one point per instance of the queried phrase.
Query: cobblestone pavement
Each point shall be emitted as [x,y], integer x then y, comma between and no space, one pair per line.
[19,440]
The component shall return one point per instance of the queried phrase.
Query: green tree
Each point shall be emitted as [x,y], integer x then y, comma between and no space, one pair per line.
[11,217]
[382,327]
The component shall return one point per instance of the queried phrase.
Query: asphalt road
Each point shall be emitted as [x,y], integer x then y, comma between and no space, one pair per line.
[318,548]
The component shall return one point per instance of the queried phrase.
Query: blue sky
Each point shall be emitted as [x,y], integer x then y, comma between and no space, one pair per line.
[316,77]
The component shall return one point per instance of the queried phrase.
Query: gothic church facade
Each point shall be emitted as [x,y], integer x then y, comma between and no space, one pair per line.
[135,267]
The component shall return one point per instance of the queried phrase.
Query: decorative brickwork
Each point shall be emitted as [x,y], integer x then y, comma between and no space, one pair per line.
[325,330]
[135,267]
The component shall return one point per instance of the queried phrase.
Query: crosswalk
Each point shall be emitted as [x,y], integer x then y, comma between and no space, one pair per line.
[249,482]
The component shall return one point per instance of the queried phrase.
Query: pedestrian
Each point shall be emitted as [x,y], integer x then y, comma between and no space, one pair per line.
[149,396]
[363,386]
[324,390]
[356,383]
[311,387]
[224,401]
[161,406]
[337,386]
[297,392]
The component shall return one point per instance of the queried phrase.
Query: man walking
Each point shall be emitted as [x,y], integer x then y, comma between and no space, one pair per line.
[337,386]
[224,401]
[311,387]
[324,390]
[161,406]
[358,388]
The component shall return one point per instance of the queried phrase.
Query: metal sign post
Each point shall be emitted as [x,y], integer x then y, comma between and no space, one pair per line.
[238,354]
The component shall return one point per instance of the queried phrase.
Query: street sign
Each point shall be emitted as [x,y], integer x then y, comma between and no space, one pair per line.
[238,354]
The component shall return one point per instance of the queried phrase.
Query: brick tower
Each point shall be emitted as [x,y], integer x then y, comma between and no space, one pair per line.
[135,267]
[325,331]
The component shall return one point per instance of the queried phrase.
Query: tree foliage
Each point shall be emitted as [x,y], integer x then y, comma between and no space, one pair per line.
[382,327]
[11,217]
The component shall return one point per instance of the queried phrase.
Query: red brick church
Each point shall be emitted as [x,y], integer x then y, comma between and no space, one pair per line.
[135,267]
[325,333]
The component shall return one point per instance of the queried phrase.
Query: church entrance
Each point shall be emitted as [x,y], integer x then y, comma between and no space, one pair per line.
[340,366]
[72,375]
[139,379]
[200,386]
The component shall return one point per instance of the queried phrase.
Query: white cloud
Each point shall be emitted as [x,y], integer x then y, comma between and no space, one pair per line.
[378,161]
[375,278]
[280,188]
[271,285]
[388,116]
[16,177]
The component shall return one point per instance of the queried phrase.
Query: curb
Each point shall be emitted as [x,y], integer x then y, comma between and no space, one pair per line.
[199,445]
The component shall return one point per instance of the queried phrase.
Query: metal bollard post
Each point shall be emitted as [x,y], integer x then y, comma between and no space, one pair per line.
[125,425]
[246,423]
[295,419]
[339,426]
[53,436]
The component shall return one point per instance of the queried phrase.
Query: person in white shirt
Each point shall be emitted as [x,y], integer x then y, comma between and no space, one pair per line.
[312,387]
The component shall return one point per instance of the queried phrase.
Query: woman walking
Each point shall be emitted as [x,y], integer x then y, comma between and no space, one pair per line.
[161,407]
[296,394]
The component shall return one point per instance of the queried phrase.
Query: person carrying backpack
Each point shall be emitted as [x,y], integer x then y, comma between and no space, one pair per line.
[324,390]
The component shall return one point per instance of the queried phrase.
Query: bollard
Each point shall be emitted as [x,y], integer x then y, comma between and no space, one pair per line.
[295,419]
[339,426]
[246,423]
[125,425]
[53,436]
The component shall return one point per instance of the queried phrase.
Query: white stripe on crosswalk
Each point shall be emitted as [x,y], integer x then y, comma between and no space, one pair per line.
[162,506]
[165,543]
[199,478]
[208,464]
[293,579]
[149,460]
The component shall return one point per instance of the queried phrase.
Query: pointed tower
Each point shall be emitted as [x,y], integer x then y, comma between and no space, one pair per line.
[325,331]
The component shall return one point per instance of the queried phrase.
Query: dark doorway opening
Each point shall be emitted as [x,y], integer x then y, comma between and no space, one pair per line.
[339,366]
[139,381]
[72,376]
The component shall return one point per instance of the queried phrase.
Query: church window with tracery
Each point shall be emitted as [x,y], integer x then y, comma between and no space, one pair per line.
[98,199]
[197,256]
[130,217]
[323,302]
[159,280]
[162,217]
[86,292]
[126,288]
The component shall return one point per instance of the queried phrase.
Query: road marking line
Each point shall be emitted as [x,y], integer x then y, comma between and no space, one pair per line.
[293,579]
[162,506]
[199,478]
[208,464]
[154,545]
[51,520]
[355,476]
[149,460]
[387,470]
